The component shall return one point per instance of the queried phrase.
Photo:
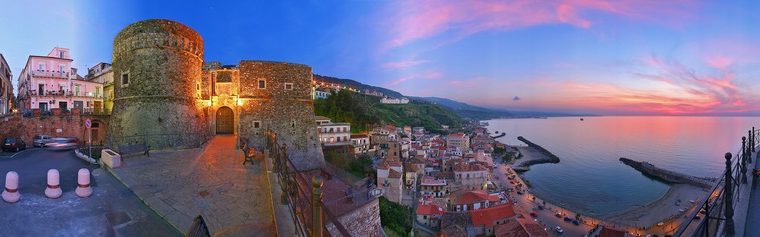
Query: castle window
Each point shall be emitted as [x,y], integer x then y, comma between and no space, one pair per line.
[262,84]
[125,79]
[256,124]
[224,76]
[288,86]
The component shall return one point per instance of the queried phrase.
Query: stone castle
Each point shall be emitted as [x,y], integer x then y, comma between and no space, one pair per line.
[165,97]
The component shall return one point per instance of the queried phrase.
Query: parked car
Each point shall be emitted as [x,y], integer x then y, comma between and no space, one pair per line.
[62,143]
[558,215]
[13,144]
[576,222]
[559,229]
[40,140]
[567,219]
[533,214]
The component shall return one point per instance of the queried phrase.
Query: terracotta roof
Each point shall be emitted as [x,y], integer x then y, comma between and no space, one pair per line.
[459,219]
[389,162]
[393,174]
[453,231]
[534,229]
[358,136]
[607,232]
[511,228]
[488,216]
[476,196]
[457,135]
[464,167]
[410,168]
[429,209]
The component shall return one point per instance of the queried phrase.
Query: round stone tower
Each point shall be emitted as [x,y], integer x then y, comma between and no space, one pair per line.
[157,67]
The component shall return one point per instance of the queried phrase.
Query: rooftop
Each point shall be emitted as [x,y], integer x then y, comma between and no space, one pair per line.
[321,118]
[487,216]
[393,174]
[458,135]
[429,209]
[476,196]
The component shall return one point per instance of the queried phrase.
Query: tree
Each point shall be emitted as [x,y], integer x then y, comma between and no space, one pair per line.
[395,217]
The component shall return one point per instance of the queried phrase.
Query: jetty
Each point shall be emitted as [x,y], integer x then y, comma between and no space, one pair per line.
[534,154]
[500,135]
[668,176]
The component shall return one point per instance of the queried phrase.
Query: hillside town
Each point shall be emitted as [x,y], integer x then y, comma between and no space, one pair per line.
[455,181]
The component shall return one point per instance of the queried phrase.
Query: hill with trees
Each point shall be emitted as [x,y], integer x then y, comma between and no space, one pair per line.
[365,111]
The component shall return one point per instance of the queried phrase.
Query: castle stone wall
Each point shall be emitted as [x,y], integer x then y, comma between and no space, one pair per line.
[362,221]
[288,112]
[158,106]
[14,125]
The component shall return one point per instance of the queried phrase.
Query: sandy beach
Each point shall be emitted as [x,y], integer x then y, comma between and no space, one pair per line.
[663,208]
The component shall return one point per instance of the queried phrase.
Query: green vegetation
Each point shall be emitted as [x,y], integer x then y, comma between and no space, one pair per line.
[364,112]
[395,217]
[358,167]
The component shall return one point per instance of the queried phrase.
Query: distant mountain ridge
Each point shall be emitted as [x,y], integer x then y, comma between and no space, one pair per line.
[357,85]
[464,110]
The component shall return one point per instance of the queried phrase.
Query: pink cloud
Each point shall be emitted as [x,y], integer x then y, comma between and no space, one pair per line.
[678,90]
[427,75]
[720,62]
[416,20]
[403,64]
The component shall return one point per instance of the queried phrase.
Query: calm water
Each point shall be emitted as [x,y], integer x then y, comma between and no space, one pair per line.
[591,180]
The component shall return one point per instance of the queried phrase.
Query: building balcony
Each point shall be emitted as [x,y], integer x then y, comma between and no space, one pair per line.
[51,74]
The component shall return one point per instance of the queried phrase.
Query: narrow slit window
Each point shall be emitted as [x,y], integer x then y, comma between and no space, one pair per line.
[262,84]
[124,79]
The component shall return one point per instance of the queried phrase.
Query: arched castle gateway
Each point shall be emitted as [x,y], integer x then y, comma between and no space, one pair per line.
[165,97]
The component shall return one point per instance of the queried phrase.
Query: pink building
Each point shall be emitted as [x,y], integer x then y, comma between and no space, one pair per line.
[49,82]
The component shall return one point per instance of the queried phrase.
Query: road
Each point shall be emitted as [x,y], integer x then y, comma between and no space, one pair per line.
[112,210]
[545,217]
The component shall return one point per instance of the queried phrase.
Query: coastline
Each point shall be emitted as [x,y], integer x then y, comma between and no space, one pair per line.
[662,209]
[532,154]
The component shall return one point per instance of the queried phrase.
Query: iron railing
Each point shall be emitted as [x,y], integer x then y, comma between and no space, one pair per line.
[304,196]
[719,204]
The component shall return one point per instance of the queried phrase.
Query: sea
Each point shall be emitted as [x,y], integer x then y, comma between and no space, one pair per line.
[590,179]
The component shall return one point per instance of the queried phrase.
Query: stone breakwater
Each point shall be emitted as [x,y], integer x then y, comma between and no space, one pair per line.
[534,154]
[667,175]
[550,157]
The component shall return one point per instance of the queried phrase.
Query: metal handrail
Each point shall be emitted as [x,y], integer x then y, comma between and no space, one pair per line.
[293,182]
[714,204]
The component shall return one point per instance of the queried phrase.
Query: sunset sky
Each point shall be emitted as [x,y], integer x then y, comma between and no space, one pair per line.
[588,56]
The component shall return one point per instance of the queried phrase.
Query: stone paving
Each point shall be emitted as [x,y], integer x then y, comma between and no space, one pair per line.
[235,200]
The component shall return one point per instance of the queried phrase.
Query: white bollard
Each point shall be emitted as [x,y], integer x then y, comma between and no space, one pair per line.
[10,194]
[53,189]
[83,183]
